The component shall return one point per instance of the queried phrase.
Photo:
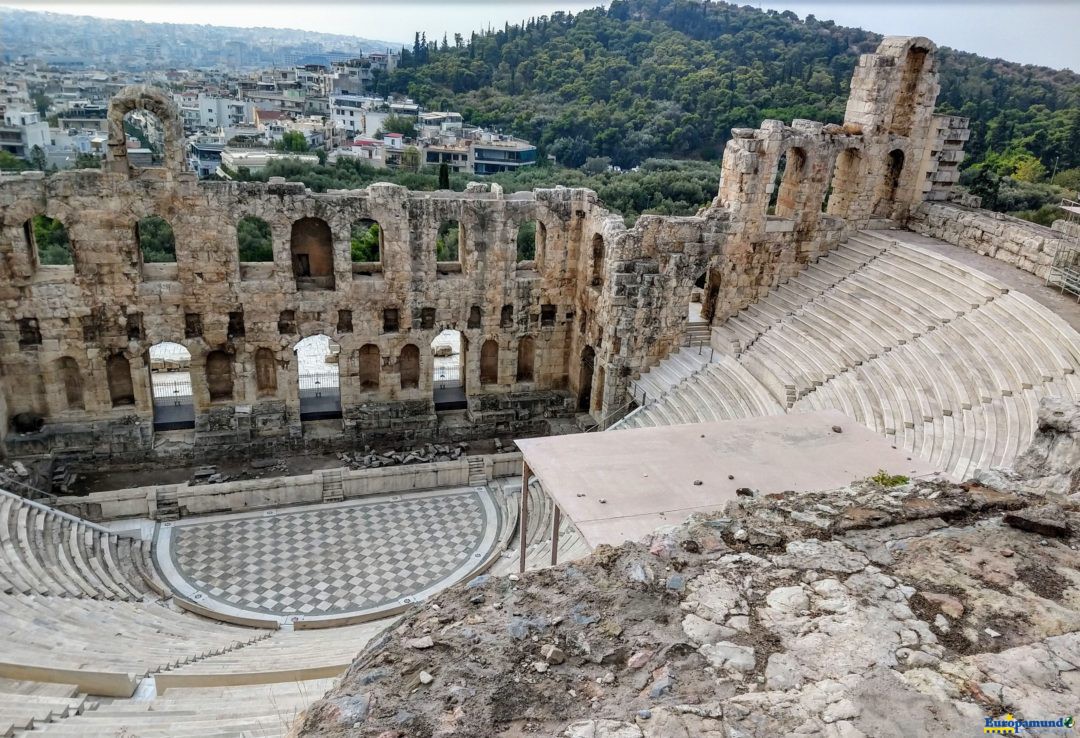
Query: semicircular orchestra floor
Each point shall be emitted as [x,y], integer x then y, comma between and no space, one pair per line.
[332,561]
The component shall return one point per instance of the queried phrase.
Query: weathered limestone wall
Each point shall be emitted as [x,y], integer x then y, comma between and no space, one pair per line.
[599,303]
[1022,244]
[110,304]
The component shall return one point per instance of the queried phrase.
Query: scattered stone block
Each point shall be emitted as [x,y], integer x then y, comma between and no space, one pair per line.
[1048,520]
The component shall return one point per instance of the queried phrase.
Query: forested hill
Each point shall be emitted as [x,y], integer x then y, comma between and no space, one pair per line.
[670,78]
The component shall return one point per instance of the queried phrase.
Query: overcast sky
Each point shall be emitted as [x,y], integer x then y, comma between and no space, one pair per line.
[1033,31]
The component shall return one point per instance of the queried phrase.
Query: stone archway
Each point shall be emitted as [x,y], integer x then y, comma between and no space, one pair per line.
[489,362]
[889,186]
[312,247]
[170,386]
[145,98]
[317,374]
[448,352]
[845,183]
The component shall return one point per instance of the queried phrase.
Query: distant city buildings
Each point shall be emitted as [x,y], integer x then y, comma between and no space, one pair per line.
[311,111]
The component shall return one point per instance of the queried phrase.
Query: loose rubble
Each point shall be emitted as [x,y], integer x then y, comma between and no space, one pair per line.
[867,611]
[369,459]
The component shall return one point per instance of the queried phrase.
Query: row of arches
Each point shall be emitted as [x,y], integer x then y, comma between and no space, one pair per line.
[318,360]
[311,245]
[849,169]
[50,243]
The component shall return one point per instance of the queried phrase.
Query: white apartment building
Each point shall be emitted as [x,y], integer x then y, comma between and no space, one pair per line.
[22,131]
[208,112]
[357,114]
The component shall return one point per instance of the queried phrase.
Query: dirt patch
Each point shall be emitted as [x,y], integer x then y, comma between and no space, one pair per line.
[1043,581]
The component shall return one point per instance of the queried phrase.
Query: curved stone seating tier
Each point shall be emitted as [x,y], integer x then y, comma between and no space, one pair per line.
[287,656]
[248,711]
[46,552]
[677,366]
[93,642]
[26,705]
[538,538]
[946,361]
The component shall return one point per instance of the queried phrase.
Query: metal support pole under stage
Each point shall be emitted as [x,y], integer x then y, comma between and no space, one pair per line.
[556,519]
[523,517]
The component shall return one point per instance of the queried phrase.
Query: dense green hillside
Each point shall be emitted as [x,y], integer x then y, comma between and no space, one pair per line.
[670,78]
[659,186]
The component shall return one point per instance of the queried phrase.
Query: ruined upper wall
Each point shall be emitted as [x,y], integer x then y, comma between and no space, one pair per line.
[880,163]
[1019,243]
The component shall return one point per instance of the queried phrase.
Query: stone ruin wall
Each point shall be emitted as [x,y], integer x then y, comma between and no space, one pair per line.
[1020,243]
[601,302]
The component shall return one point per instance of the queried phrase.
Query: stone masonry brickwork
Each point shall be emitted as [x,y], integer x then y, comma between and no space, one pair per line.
[1022,244]
[599,304]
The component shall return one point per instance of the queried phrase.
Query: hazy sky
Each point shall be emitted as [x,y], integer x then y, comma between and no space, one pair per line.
[1033,31]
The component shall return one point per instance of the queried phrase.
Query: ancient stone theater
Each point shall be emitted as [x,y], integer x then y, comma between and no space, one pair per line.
[224,479]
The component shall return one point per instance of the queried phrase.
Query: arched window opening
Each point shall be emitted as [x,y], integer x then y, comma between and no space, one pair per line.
[369,364]
[254,240]
[265,372]
[474,317]
[525,358]
[489,362]
[312,247]
[697,299]
[597,260]
[219,380]
[904,107]
[48,241]
[365,247]
[448,243]
[844,186]
[317,374]
[121,388]
[157,244]
[448,364]
[890,184]
[144,139]
[68,372]
[526,243]
[585,379]
[790,174]
[506,317]
[170,386]
[709,296]
[409,367]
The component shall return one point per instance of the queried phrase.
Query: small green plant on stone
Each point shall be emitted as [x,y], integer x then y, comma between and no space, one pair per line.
[885,479]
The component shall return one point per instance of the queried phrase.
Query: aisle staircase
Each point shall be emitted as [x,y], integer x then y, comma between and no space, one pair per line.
[332,490]
[477,471]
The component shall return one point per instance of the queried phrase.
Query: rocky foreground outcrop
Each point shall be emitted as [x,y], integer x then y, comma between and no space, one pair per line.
[922,609]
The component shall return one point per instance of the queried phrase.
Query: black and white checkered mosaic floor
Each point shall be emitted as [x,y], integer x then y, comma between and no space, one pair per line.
[323,561]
